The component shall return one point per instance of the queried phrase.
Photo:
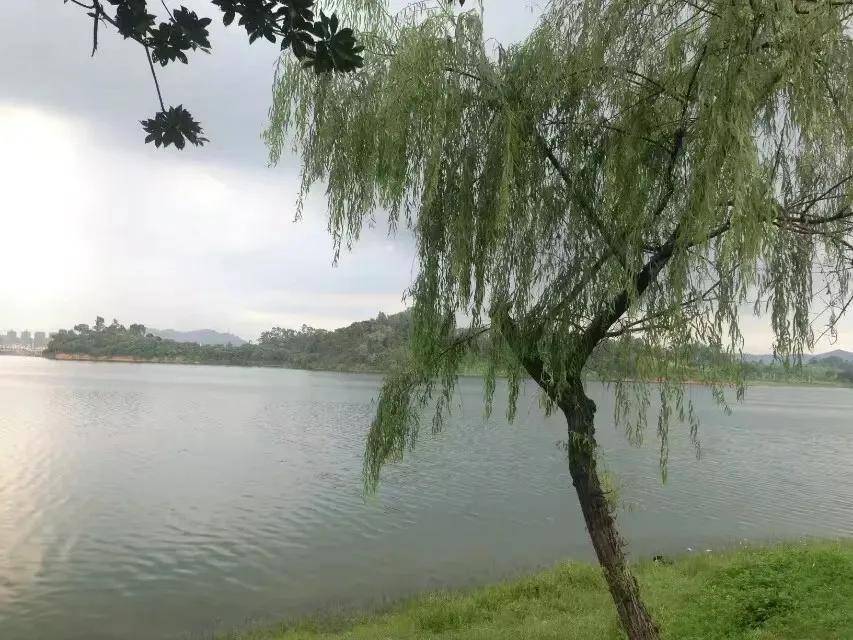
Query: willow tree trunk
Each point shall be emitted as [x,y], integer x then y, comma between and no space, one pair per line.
[580,415]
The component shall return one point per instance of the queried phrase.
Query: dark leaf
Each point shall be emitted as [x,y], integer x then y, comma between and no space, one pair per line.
[299,48]
[194,28]
[132,18]
[173,126]
[168,43]
[317,29]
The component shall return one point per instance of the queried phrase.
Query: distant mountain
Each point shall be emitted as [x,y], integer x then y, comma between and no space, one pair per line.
[761,358]
[201,336]
[841,354]
[767,358]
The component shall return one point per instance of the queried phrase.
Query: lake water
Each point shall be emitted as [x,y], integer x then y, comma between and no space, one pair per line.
[160,502]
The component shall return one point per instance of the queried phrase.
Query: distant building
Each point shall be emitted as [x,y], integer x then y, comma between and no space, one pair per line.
[26,341]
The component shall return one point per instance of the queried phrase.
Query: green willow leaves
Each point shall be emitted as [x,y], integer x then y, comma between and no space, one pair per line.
[635,172]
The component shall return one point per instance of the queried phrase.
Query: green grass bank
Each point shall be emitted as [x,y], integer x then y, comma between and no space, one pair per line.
[800,591]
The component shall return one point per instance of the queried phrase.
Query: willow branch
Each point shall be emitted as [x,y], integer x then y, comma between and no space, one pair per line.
[678,137]
[589,213]
[831,325]
[578,288]
[463,73]
[636,325]
[462,340]
[825,194]
[610,314]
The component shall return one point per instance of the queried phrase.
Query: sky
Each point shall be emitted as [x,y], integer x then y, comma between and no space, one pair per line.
[82,224]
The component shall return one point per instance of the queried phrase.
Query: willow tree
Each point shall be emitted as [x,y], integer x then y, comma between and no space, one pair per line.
[634,171]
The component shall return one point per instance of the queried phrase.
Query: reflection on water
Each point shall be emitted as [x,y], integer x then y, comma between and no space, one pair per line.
[151,501]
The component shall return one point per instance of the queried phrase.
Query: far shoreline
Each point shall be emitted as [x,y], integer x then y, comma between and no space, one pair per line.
[123,359]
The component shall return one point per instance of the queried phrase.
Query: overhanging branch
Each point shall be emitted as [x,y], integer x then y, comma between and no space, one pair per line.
[586,207]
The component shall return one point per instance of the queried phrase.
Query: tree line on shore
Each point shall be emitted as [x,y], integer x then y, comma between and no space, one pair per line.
[370,345]
[374,345]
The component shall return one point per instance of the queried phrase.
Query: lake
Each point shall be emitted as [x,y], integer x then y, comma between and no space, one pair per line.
[161,502]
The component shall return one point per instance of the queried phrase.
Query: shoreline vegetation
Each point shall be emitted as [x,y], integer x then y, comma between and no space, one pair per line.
[83,357]
[780,592]
[376,345]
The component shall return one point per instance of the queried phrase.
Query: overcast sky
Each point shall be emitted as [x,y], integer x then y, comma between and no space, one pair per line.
[84,231]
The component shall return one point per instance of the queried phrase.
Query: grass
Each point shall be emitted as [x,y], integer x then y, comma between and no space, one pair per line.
[800,591]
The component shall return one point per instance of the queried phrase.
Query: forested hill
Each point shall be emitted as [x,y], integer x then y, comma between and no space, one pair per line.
[200,336]
[369,345]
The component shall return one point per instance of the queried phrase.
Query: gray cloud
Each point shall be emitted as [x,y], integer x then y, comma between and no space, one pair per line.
[225,252]
[46,62]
